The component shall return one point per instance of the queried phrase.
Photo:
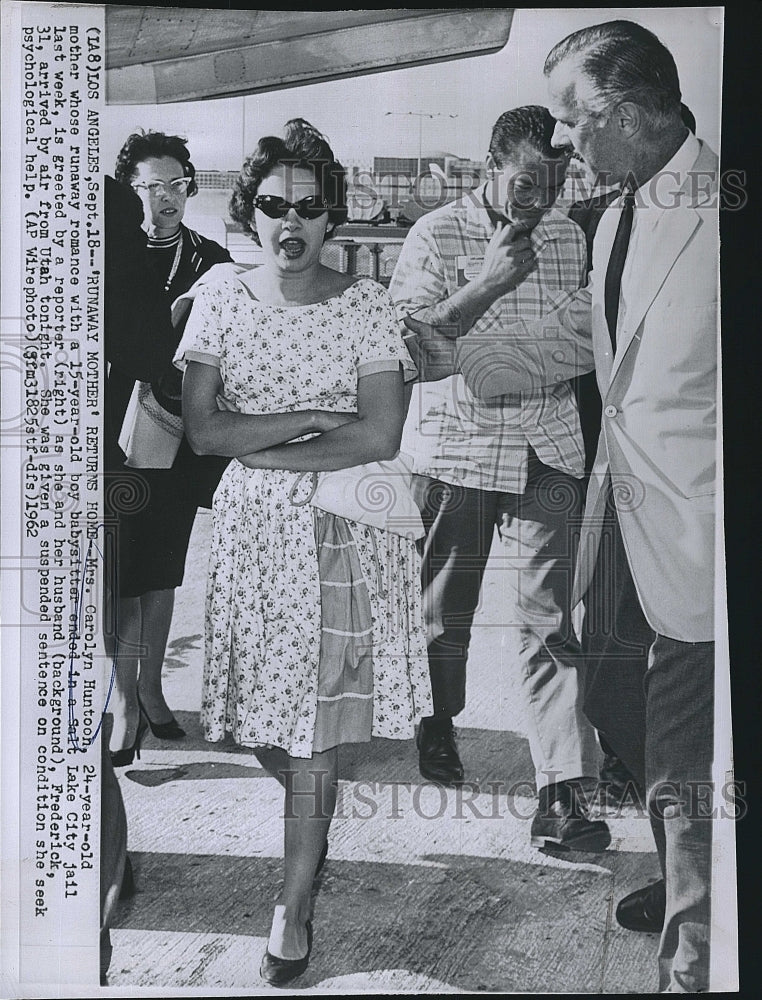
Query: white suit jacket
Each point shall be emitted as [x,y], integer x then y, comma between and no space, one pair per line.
[659,434]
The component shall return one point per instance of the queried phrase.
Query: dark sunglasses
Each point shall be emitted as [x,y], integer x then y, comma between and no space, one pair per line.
[311,207]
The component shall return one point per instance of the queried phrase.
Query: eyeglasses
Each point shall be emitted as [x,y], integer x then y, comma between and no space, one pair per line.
[158,188]
[311,207]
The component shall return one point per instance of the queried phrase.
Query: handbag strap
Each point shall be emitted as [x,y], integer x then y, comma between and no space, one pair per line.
[297,481]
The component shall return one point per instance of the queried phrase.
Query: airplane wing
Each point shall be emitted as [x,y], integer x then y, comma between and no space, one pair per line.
[156,55]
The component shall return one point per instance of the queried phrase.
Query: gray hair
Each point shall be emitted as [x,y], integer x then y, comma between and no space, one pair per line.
[625,62]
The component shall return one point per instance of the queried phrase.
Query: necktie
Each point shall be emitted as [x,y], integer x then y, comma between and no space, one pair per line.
[615,267]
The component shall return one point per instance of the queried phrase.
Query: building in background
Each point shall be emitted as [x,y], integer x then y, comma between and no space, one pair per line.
[215,180]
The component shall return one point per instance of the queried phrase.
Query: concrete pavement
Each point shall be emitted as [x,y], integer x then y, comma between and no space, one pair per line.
[425,890]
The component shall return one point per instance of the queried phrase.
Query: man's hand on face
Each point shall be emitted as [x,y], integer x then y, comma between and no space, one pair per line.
[508,260]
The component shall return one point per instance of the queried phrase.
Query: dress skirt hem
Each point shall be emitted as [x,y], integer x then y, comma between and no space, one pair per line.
[289,661]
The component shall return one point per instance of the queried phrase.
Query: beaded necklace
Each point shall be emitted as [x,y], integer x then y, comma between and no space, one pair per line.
[165,243]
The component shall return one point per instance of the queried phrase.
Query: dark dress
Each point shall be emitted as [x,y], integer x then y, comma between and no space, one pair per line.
[153,509]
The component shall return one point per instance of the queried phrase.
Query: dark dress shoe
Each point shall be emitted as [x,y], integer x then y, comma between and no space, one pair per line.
[561,822]
[171,730]
[643,910]
[438,758]
[279,971]
[124,757]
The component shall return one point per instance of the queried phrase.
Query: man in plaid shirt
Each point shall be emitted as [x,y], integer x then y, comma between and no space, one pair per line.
[516,461]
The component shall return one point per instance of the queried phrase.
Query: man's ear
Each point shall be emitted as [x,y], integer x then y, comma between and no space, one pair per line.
[329,229]
[628,118]
[490,164]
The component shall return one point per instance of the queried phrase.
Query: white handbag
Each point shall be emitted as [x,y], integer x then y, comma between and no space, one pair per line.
[150,435]
[378,493]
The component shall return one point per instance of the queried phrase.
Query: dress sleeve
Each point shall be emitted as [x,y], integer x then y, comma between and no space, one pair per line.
[381,347]
[203,336]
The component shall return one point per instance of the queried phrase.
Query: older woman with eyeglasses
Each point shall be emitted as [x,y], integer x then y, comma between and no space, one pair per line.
[153,534]
[314,627]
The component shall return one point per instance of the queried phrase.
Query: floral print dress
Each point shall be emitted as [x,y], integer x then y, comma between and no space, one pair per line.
[263,604]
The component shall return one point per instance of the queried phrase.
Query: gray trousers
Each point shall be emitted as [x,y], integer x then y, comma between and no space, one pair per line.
[653,699]
[679,752]
[539,530]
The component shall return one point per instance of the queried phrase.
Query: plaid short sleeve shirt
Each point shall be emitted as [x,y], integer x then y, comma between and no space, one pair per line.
[450,434]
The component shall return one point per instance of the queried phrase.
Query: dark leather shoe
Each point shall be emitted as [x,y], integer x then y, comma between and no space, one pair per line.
[124,757]
[171,730]
[438,758]
[643,910]
[279,971]
[561,822]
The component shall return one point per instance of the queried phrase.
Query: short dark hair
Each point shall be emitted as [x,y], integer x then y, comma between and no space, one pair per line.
[302,146]
[625,62]
[142,146]
[530,124]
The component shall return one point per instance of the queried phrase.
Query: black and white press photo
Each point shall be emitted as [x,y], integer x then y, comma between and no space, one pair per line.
[364,605]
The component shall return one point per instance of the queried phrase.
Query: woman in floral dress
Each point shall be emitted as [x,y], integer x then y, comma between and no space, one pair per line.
[314,627]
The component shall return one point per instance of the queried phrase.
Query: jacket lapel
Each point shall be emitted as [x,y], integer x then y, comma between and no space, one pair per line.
[668,231]
[671,231]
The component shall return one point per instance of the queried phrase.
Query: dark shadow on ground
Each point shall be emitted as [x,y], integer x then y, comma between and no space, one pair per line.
[153,777]
[489,757]
[176,657]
